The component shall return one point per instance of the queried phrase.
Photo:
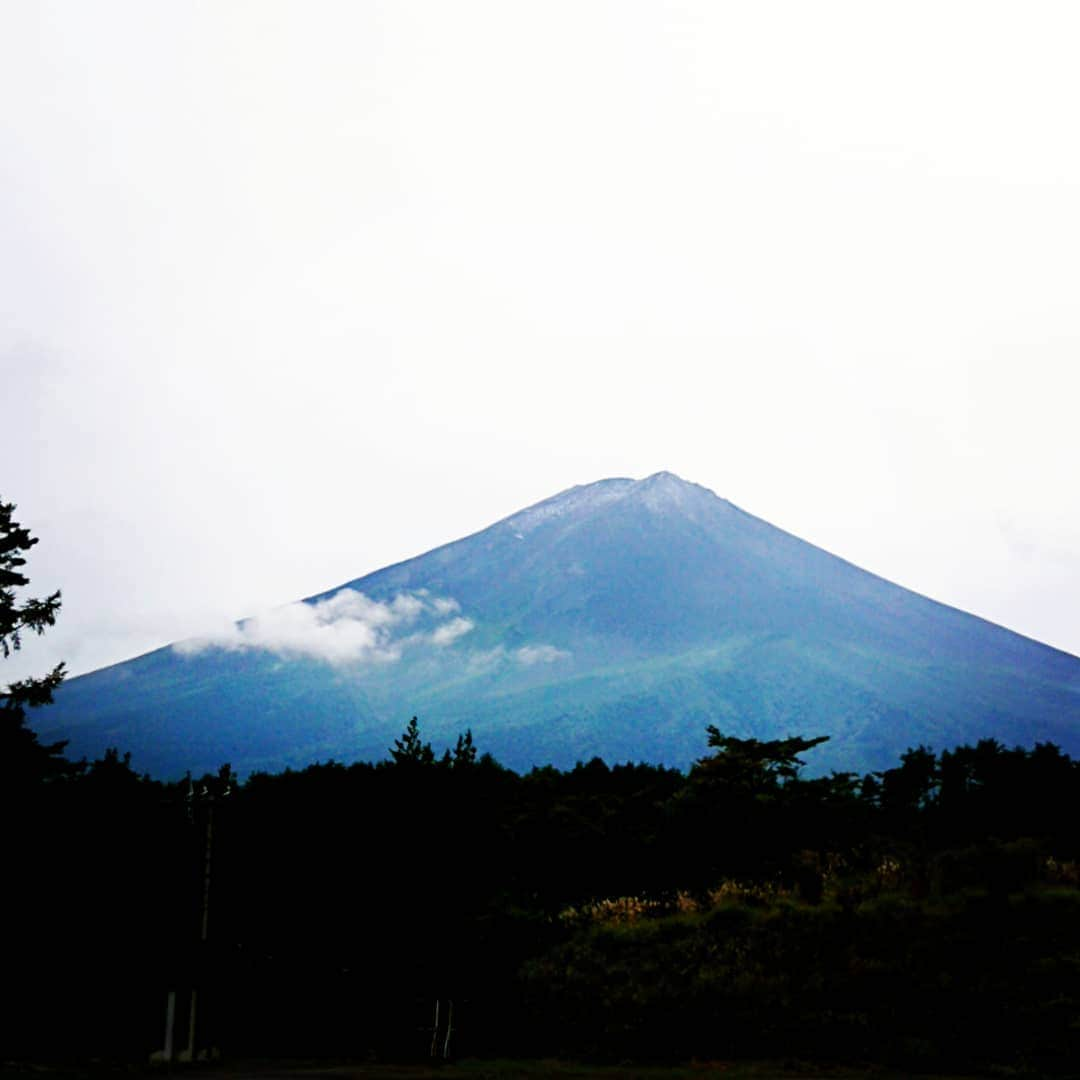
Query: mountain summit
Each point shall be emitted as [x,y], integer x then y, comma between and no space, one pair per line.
[616,619]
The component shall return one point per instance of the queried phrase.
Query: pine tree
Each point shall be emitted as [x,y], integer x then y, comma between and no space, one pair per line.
[22,758]
[410,749]
[752,766]
[464,751]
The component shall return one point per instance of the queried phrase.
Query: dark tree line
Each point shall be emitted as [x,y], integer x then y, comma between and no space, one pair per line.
[734,909]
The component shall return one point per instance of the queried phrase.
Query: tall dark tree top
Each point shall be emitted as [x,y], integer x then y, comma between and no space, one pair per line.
[30,614]
[22,758]
[753,765]
[410,749]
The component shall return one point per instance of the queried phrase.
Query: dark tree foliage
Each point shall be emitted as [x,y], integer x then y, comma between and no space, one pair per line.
[410,749]
[927,916]
[31,614]
[22,758]
[751,766]
[464,754]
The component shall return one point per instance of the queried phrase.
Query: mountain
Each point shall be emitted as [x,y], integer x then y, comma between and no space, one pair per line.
[614,619]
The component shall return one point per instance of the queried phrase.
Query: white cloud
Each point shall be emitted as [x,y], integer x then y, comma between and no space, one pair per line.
[449,632]
[352,628]
[528,655]
[347,627]
[403,606]
[486,660]
[483,662]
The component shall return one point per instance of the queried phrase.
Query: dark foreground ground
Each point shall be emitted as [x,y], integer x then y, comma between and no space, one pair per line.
[464,1070]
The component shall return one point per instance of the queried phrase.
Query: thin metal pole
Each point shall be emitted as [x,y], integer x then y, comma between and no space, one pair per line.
[449,1028]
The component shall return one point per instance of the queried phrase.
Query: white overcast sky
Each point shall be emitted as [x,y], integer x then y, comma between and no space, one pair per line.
[291,291]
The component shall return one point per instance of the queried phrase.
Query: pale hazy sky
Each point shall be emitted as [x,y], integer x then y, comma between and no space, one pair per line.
[290,291]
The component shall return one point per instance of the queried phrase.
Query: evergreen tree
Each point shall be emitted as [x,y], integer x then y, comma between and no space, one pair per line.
[410,749]
[752,766]
[22,758]
[464,751]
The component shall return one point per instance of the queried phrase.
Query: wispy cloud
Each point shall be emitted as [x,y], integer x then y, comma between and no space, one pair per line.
[483,661]
[487,660]
[449,632]
[528,655]
[347,627]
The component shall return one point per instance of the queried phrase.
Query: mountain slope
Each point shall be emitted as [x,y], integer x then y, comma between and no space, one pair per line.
[617,618]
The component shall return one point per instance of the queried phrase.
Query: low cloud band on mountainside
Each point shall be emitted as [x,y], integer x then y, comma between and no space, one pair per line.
[344,628]
[348,628]
[614,619]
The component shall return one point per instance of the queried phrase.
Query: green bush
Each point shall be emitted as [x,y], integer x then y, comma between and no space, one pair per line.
[967,980]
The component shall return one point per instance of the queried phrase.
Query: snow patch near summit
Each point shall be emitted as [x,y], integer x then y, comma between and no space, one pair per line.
[662,492]
[575,500]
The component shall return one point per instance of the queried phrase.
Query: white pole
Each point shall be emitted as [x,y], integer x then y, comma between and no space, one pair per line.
[449,1028]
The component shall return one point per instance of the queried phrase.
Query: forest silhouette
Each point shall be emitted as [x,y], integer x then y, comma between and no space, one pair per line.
[927,915]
